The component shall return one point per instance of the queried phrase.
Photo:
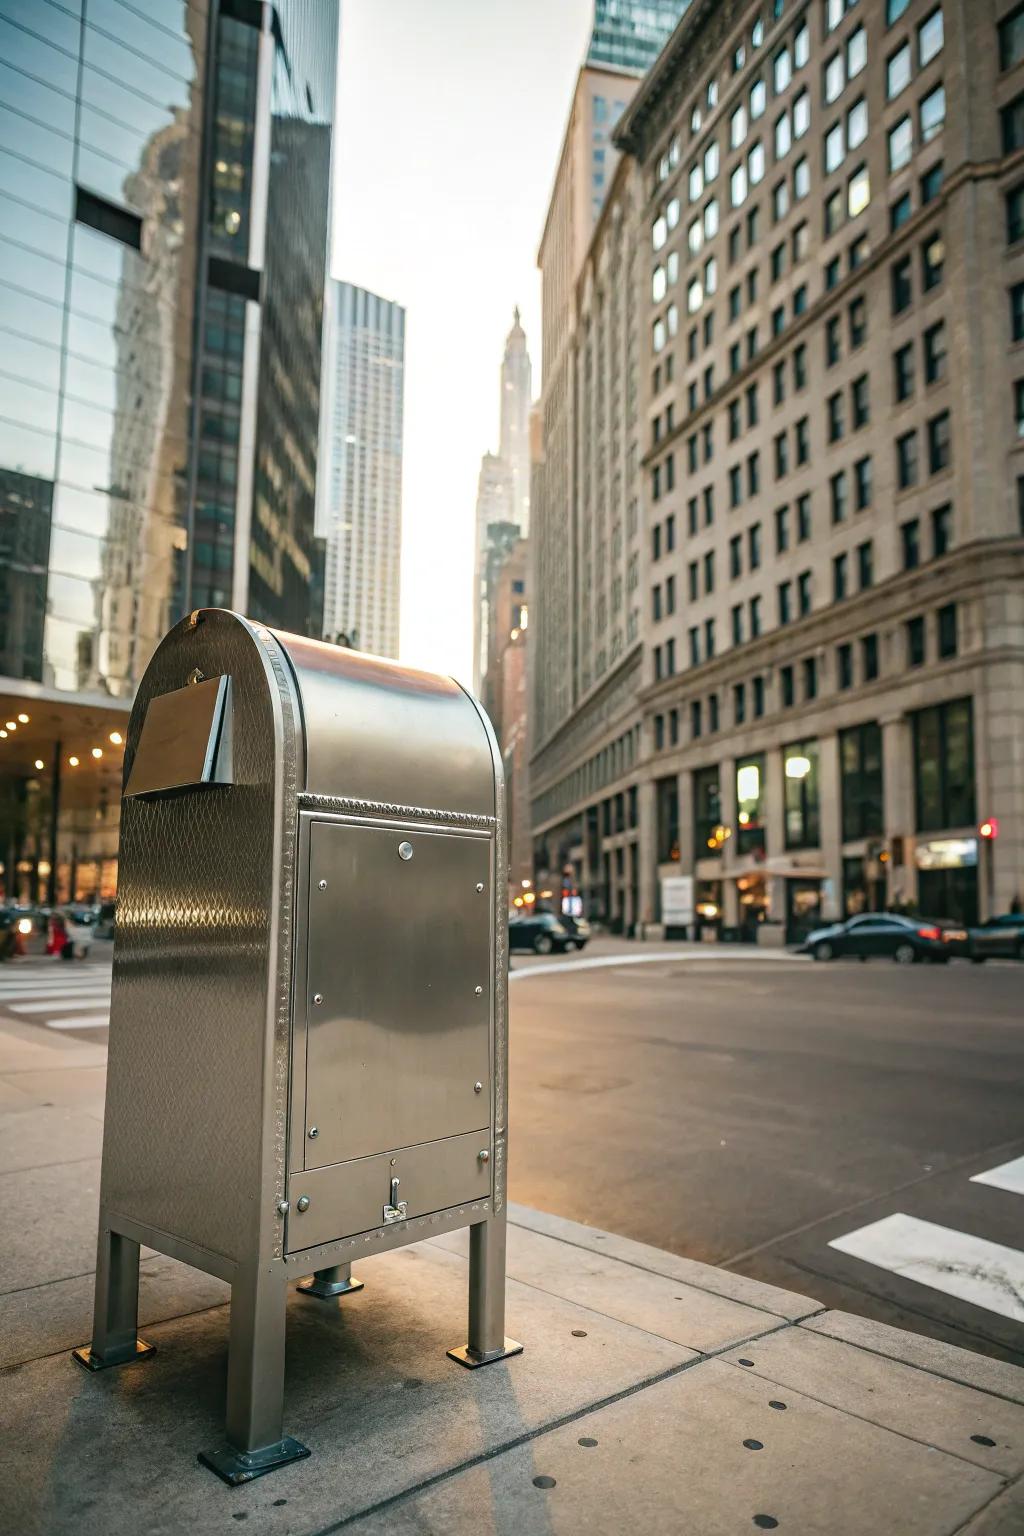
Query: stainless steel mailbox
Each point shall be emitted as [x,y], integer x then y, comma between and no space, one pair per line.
[308,1043]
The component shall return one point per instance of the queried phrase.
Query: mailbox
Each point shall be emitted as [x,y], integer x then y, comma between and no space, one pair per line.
[308,1036]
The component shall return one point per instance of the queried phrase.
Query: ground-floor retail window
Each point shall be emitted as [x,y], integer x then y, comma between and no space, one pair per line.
[753,905]
[862,892]
[803,909]
[950,893]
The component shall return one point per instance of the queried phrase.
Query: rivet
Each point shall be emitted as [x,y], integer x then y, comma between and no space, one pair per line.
[303,1202]
[479,886]
[478,1087]
[394,1160]
[405,850]
[318,998]
[322,885]
[314,1132]
[484,1156]
[282,1207]
[478,991]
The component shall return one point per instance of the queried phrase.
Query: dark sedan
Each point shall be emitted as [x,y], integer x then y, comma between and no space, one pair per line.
[540,932]
[889,934]
[1002,936]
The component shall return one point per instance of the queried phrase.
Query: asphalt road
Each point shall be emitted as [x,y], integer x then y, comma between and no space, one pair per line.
[750,1114]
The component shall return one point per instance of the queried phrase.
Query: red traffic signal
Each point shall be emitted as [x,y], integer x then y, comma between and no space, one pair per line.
[989,829]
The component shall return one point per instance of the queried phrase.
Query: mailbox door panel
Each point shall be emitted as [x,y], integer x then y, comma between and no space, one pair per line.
[399,952]
[351,1198]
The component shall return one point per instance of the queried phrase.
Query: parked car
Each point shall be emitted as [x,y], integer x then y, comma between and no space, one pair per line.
[999,936]
[540,931]
[903,939]
[578,929]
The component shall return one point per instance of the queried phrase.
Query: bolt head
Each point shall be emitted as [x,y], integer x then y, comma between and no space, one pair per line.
[282,1207]
[484,1157]
[479,991]
[478,1087]
[479,885]
[303,1202]
[318,998]
[313,1132]
[322,885]
[405,850]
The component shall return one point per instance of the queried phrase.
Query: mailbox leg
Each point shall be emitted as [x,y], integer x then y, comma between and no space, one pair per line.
[115,1323]
[255,1443]
[487,1339]
[328,1283]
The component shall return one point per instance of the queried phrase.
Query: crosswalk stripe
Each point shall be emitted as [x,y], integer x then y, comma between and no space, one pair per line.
[1007,1176]
[82,1021]
[63,983]
[971,1268]
[51,989]
[54,1005]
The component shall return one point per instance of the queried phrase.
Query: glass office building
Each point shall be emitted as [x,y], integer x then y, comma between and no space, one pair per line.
[164,208]
[629,34]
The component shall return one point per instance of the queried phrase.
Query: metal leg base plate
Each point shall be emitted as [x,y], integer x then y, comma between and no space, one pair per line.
[471,1358]
[236,1467]
[91,1362]
[326,1290]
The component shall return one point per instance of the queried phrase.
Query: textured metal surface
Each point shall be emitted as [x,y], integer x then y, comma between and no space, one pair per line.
[381,731]
[399,952]
[345,805]
[196,973]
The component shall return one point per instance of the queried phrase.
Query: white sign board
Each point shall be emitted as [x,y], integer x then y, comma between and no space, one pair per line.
[677,900]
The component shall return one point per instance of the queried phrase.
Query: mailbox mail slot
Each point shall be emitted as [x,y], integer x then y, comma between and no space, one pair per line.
[308,1043]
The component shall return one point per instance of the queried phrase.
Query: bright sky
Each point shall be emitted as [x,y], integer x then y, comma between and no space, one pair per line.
[450,119]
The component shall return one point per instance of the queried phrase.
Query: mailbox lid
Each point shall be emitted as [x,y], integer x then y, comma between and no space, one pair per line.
[399,950]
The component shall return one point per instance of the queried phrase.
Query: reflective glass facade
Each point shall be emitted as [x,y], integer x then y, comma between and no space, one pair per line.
[629,34]
[164,180]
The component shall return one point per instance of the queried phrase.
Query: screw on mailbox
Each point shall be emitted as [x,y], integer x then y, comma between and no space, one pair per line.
[479,991]
[318,998]
[405,850]
[322,885]
[303,1202]
[479,885]
[314,1132]
[478,1087]
[484,1157]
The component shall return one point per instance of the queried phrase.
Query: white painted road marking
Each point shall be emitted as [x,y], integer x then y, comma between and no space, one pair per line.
[82,1021]
[1007,1176]
[66,1000]
[715,952]
[57,995]
[971,1268]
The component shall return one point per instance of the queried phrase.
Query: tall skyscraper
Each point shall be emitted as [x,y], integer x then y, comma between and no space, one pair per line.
[164,206]
[629,34]
[363,526]
[503,491]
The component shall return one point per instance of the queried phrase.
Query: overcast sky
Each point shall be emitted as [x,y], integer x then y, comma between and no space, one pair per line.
[451,114]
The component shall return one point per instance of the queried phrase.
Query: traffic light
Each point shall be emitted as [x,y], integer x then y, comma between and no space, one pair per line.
[989,829]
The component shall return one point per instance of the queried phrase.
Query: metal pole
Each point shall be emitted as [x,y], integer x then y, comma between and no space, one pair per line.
[51,883]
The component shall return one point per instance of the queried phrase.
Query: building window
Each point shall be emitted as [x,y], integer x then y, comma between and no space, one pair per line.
[737,624]
[752,412]
[781,530]
[803,591]
[778,262]
[933,113]
[778,320]
[750,804]
[801,241]
[709,572]
[755,617]
[932,253]
[659,733]
[930,38]
[803,519]
[694,639]
[801,179]
[947,628]
[739,703]
[860,769]
[942,530]
[944,766]
[858,323]
[865,565]
[894,10]
[734,420]
[1012,122]
[787,691]
[713,713]
[753,474]
[707,813]
[901,144]
[1017,312]
[838,496]
[1018,406]
[834,79]
[833,272]
[910,538]
[834,407]
[693,580]
[778,383]
[835,149]
[800,773]
[800,367]
[931,183]
[810,677]
[1015,214]
[903,371]
[833,350]
[906,460]
[899,212]
[860,404]
[869,657]
[844,666]
[735,486]
[781,456]
[758,697]
[939,443]
[862,482]
[935,353]
[898,68]
[754,546]
[785,601]
[695,719]
[915,642]
[840,577]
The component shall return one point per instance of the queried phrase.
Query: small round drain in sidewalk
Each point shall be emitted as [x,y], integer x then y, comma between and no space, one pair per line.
[579,1333]
[982,1440]
[754,1445]
[765,1522]
[773,1402]
[586,1440]
[544,1482]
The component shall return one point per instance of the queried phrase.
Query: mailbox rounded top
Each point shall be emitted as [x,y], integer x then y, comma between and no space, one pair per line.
[378,730]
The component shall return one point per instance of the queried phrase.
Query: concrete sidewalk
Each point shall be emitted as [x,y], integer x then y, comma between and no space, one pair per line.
[654,1394]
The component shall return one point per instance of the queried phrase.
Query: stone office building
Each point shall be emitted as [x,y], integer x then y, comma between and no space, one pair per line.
[832,691]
